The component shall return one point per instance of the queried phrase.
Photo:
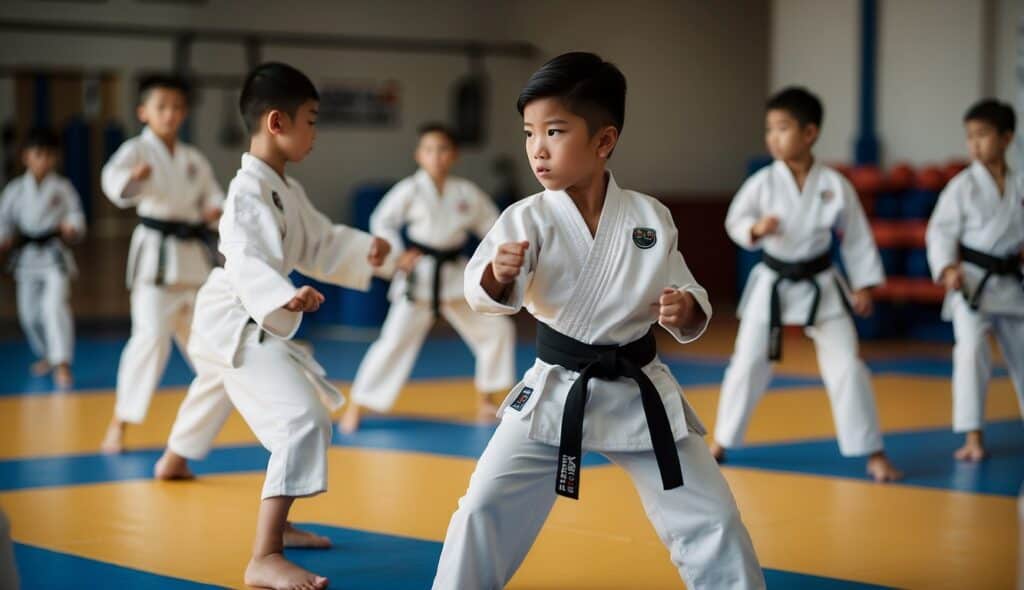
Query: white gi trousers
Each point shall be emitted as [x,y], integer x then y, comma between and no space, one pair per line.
[158,315]
[45,314]
[277,401]
[972,361]
[847,381]
[389,361]
[512,491]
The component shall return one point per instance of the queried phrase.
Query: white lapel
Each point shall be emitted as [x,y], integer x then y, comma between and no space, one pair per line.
[595,256]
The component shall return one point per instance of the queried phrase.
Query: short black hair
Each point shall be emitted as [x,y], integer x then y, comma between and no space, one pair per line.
[42,138]
[435,127]
[274,86]
[997,114]
[588,86]
[166,82]
[800,103]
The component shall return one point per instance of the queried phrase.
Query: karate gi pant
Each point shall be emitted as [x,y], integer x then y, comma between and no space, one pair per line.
[278,402]
[972,361]
[388,362]
[45,314]
[847,381]
[512,491]
[159,314]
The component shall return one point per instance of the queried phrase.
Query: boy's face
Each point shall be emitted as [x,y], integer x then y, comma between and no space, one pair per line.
[39,161]
[436,154]
[786,138]
[984,142]
[294,136]
[164,110]
[561,150]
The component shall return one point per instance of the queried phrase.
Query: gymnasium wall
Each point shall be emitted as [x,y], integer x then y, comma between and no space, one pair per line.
[693,104]
[935,57]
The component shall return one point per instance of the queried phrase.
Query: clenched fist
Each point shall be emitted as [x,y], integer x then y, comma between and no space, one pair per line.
[306,299]
[379,250]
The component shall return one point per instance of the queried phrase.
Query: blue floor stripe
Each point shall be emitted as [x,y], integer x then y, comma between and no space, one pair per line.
[42,569]
[359,560]
[97,359]
[926,456]
[366,560]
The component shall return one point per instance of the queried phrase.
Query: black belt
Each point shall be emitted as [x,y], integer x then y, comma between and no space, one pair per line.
[21,240]
[802,271]
[606,362]
[992,265]
[181,231]
[441,257]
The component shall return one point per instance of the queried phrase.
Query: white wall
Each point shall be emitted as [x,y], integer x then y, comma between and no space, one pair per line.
[694,98]
[930,70]
[813,44]
[932,64]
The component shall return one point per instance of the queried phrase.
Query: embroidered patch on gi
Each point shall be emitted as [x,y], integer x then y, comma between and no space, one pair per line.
[826,195]
[277,201]
[521,399]
[644,237]
[462,207]
[54,202]
[191,171]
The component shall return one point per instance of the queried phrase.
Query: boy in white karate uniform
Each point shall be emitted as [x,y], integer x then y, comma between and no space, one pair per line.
[40,213]
[976,249]
[172,187]
[789,210]
[597,265]
[440,211]
[247,312]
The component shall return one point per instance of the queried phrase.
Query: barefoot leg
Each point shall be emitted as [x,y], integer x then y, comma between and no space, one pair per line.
[268,567]
[487,406]
[974,448]
[717,451]
[296,537]
[113,441]
[881,469]
[41,367]
[172,466]
[62,377]
[350,419]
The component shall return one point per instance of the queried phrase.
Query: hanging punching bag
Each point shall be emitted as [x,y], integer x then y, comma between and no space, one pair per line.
[469,101]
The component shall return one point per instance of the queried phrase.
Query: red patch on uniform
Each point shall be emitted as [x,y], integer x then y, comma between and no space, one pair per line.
[191,171]
[826,195]
[54,201]
[462,206]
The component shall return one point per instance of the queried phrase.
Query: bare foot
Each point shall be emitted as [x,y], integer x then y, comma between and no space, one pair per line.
[62,377]
[296,537]
[486,410]
[113,440]
[274,571]
[973,449]
[718,452]
[882,470]
[349,422]
[40,368]
[172,466]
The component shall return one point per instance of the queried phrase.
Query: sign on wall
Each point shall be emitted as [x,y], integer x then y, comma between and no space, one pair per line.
[359,103]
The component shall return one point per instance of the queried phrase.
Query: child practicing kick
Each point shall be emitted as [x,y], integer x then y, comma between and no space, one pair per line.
[598,266]
[247,313]
[439,211]
[789,210]
[976,250]
[40,214]
[171,185]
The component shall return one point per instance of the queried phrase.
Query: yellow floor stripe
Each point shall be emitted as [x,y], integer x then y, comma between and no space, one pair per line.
[49,425]
[899,536]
